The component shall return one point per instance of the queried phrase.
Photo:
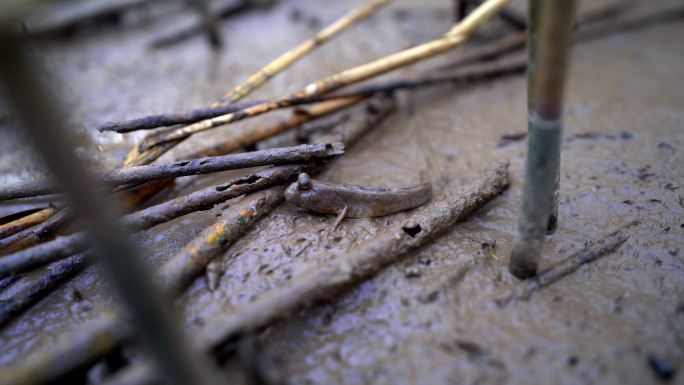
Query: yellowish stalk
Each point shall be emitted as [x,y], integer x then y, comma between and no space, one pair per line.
[288,58]
[458,34]
[156,145]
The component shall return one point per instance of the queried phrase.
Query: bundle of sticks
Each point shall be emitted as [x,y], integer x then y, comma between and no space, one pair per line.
[45,237]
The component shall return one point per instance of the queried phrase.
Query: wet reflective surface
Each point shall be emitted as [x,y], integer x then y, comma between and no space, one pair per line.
[431,318]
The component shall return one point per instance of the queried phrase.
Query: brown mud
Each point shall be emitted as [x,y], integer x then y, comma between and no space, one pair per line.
[432,317]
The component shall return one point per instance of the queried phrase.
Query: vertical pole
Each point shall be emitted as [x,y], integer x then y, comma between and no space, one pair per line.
[549,40]
[151,312]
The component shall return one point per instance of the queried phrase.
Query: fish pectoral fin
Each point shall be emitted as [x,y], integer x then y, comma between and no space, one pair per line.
[340,217]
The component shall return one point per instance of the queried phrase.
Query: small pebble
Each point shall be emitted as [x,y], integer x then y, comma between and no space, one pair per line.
[660,367]
[412,272]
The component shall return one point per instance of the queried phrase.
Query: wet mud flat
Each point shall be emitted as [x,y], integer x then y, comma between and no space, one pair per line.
[432,317]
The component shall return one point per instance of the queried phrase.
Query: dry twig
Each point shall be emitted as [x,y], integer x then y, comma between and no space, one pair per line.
[206,165]
[590,253]
[27,221]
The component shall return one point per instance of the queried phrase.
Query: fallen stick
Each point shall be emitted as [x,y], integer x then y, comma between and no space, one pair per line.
[75,353]
[34,235]
[176,274]
[7,281]
[590,253]
[64,246]
[27,221]
[164,120]
[250,135]
[141,174]
[58,248]
[59,272]
[325,281]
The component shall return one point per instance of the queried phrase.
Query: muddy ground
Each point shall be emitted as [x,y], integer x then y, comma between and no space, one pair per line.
[430,318]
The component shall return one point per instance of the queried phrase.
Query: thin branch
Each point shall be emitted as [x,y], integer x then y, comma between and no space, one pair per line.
[34,235]
[27,221]
[7,281]
[453,38]
[35,290]
[285,60]
[590,253]
[204,199]
[141,174]
[164,120]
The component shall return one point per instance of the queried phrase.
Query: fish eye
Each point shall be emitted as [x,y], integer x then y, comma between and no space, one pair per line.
[304,181]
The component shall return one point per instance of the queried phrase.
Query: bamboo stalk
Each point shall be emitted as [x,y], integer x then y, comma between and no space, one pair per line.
[206,165]
[589,254]
[163,120]
[60,247]
[285,60]
[27,221]
[6,282]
